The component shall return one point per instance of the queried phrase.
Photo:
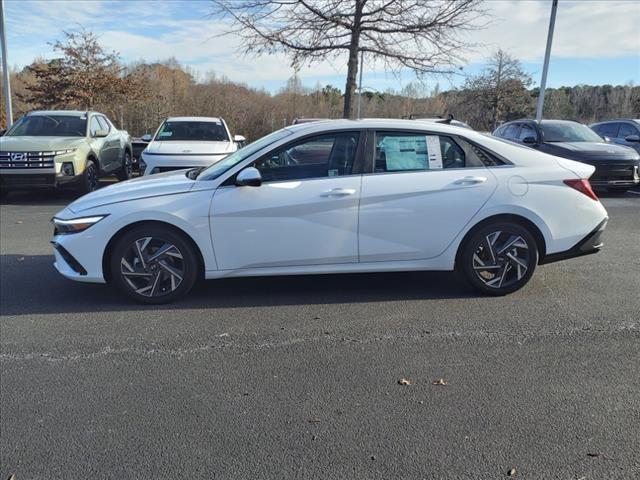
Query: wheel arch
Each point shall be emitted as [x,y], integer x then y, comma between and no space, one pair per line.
[106,264]
[510,217]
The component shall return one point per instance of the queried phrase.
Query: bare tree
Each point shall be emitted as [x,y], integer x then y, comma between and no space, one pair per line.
[420,35]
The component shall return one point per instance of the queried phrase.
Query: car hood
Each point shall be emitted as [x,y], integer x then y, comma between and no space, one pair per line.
[38,144]
[169,183]
[189,148]
[592,150]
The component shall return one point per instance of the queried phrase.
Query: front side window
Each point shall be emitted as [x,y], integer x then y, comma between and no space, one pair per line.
[327,155]
[94,126]
[104,124]
[526,131]
[402,152]
[49,126]
[626,130]
[192,131]
[512,130]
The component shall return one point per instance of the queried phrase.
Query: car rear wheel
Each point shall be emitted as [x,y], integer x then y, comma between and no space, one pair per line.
[126,171]
[89,180]
[153,265]
[499,258]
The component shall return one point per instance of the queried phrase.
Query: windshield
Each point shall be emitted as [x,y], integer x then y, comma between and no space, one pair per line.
[49,126]
[213,131]
[568,132]
[217,169]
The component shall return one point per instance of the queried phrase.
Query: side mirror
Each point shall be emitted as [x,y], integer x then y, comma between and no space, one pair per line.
[531,140]
[239,139]
[632,138]
[249,177]
[146,138]
[100,134]
[607,139]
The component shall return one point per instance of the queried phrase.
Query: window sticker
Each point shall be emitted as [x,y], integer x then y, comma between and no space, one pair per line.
[405,153]
[166,134]
[435,155]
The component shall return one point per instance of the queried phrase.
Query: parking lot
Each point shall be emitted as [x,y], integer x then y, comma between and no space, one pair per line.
[299,377]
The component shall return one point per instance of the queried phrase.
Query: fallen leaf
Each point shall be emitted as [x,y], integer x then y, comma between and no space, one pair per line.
[440,381]
[223,335]
[593,454]
[12,477]
[512,472]
[404,381]
[314,420]
[18,222]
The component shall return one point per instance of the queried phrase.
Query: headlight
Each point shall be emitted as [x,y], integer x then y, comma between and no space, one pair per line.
[64,152]
[74,225]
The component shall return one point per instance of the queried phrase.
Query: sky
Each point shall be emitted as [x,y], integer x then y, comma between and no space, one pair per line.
[596,41]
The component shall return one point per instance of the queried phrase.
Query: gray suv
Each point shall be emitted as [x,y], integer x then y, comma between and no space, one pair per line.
[623,132]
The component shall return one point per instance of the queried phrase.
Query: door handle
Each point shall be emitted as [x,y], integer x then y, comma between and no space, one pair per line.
[470,180]
[339,192]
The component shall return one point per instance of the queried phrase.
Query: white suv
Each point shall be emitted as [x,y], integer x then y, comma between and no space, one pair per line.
[188,142]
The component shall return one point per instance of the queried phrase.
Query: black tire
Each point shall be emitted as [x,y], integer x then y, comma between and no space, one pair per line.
[174,273]
[89,180]
[503,271]
[126,171]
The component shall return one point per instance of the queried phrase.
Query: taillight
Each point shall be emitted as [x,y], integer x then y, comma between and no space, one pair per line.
[583,186]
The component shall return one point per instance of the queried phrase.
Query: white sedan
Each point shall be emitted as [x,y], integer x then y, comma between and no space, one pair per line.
[188,142]
[337,197]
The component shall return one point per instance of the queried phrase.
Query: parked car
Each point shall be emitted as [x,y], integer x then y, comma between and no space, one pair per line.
[188,142]
[389,195]
[616,166]
[66,149]
[138,145]
[624,131]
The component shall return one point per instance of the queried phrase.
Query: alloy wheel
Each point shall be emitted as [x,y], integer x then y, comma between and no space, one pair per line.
[152,267]
[128,167]
[501,259]
[92,178]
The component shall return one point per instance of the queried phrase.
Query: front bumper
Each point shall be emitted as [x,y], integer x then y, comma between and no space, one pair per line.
[591,243]
[16,179]
[615,174]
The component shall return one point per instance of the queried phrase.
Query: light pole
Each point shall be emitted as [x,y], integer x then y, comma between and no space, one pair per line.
[547,54]
[360,87]
[5,68]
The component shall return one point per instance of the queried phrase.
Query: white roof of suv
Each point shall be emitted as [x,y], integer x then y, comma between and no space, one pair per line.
[194,119]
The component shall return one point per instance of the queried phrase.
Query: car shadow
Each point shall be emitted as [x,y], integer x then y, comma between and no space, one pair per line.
[30,285]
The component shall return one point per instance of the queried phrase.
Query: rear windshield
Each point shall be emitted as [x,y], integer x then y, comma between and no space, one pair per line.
[49,126]
[193,131]
[568,132]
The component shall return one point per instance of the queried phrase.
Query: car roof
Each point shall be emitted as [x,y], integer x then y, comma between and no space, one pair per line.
[616,120]
[74,113]
[381,124]
[195,119]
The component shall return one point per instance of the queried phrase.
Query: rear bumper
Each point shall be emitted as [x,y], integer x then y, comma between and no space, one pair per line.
[591,243]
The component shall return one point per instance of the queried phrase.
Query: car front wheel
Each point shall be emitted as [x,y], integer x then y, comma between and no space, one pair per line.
[499,258]
[126,171]
[153,265]
[89,179]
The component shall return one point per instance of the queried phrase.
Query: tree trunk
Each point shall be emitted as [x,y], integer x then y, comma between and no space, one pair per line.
[352,65]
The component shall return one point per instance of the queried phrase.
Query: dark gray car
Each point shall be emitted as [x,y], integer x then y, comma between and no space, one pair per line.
[624,131]
[616,166]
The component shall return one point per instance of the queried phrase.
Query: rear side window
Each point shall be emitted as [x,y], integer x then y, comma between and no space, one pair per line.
[414,151]
[104,125]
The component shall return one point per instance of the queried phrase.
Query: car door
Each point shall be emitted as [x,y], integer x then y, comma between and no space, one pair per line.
[627,130]
[305,212]
[111,148]
[425,187]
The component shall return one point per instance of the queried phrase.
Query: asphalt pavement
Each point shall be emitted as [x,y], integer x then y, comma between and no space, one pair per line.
[298,377]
